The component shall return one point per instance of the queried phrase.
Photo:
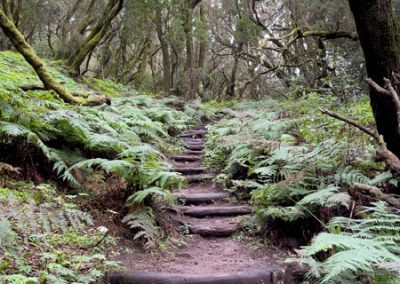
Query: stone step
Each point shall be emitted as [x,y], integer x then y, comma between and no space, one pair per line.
[199,178]
[205,197]
[264,275]
[186,158]
[214,210]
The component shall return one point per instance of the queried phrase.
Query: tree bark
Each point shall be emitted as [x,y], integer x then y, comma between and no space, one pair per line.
[96,35]
[379,35]
[188,29]
[166,59]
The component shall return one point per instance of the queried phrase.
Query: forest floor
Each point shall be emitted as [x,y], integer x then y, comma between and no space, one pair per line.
[211,246]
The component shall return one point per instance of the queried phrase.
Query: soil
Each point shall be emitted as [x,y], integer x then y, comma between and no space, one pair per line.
[205,256]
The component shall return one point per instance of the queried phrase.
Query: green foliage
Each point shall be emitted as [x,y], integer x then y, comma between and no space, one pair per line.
[290,173]
[40,241]
[361,249]
[128,139]
[142,221]
[296,165]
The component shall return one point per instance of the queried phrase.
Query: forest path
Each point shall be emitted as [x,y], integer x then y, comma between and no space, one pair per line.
[210,253]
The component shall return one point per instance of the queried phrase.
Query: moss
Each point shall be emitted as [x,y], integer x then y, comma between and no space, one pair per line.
[109,87]
[15,71]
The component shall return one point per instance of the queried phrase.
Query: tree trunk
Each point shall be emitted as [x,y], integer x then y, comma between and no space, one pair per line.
[188,28]
[19,42]
[166,59]
[379,36]
[96,35]
[231,88]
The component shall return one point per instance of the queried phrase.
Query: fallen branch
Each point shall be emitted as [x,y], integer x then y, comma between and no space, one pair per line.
[377,193]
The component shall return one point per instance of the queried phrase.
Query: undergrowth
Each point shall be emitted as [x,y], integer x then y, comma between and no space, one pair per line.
[44,238]
[298,167]
[83,150]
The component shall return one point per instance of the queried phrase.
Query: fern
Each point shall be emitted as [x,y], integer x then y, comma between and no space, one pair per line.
[142,221]
[329,197]
[141,195]
[349,176]
[361,249]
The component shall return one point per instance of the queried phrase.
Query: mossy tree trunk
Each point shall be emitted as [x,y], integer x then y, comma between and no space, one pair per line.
[165,49]
[20,44]
[96,35]
[379,35]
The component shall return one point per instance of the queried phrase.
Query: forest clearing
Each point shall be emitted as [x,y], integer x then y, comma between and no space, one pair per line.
[199,141]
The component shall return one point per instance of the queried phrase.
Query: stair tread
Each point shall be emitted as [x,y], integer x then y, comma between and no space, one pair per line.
[199,177]
[214,227]
[189,170]
[214,210]
[265,275]
[194,147]
[186,157]
[201,196]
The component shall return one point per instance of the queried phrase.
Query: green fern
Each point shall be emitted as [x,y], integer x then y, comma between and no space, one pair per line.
[139,196]
[362,247]
[142,221]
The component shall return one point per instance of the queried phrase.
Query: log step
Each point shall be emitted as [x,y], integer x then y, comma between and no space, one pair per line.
[194,147]
[265,275]
[214,227]
[190,171]
[186,158]
[204,211]
[193,135]
[194,140]
[192,152]
[196,198]
[194,132]
[214,231]
[199,178]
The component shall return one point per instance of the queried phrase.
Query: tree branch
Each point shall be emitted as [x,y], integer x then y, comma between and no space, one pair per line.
[390,199]
[383,154]
[373,133]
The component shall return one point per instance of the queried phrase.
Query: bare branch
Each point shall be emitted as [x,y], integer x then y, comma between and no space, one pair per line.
[373,133]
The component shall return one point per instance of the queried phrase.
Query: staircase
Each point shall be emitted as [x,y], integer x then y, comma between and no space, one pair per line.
[211,215]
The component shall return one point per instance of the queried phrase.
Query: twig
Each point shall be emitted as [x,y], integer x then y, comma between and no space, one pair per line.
[98,242]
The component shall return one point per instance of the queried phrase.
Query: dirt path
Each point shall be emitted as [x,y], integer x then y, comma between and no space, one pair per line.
[210,217]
